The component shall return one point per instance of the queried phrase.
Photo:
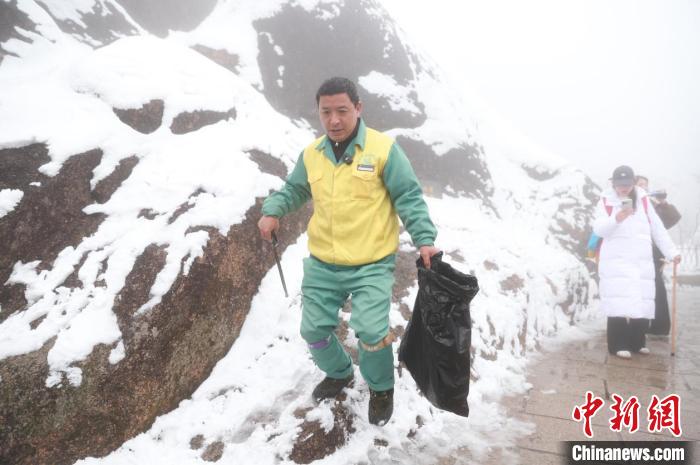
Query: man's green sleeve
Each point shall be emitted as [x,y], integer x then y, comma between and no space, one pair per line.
[407,197]
[295,193]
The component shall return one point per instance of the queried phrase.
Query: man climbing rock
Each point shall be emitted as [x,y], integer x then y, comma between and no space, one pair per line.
[359,180]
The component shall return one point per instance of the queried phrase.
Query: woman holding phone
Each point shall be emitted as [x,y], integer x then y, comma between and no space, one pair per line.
[628,225]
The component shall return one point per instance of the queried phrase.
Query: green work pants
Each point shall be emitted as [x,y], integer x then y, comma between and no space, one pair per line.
[325,288]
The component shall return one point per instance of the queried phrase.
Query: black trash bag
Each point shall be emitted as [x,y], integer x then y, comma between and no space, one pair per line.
[436,345]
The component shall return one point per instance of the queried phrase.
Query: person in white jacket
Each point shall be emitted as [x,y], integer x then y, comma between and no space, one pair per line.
[628,224]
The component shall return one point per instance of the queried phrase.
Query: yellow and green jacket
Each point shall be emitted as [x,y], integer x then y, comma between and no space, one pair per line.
[356,205]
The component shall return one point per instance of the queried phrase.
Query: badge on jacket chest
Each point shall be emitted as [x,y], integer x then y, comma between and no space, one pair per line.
[367,163]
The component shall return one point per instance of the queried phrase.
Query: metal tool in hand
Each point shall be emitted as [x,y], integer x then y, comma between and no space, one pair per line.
[279,266]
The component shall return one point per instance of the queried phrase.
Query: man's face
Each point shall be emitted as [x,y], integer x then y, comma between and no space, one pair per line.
[643,183]
[338,115]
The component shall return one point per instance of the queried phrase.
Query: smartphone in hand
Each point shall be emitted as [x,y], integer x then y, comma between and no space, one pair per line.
[626,204]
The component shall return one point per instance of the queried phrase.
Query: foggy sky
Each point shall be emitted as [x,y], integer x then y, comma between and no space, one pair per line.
[598,82]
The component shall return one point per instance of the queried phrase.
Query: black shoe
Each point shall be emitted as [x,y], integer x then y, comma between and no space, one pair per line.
[381,406]
[330,387]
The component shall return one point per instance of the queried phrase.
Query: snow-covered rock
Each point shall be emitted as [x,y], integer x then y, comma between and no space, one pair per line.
[132,169]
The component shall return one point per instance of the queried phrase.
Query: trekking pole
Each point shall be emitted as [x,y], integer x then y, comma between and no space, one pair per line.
[277,260]
[673,305]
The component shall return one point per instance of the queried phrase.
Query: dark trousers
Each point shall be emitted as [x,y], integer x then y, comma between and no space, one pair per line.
[626,334]
[661,324]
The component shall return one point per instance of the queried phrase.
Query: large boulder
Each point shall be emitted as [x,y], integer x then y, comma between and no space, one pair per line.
[176,313]
[171,350]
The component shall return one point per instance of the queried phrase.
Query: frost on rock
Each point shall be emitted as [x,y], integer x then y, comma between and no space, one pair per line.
[140,264]
[387,88]
[9,198]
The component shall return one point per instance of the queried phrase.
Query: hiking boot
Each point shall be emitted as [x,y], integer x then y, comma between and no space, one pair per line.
[381,406]
[330,387]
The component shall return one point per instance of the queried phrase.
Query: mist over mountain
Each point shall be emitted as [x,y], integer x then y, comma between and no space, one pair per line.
[141,317]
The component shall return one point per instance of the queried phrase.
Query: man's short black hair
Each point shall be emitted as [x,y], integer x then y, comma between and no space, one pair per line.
[338,85]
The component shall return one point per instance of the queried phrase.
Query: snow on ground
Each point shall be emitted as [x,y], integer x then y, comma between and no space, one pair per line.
[250,398]
[248,402]
[62,93]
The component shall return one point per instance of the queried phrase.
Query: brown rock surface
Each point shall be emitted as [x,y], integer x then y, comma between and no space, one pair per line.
[193,120]
[314,442]
[146,119]
[221,57]
[49,217]
[170,350]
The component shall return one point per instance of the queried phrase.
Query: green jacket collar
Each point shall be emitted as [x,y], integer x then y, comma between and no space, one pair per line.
[359,140]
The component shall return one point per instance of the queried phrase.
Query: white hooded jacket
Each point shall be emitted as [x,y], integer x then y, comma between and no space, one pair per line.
[626,266]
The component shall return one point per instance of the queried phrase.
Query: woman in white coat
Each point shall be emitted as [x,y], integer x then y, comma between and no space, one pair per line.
[628,224]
